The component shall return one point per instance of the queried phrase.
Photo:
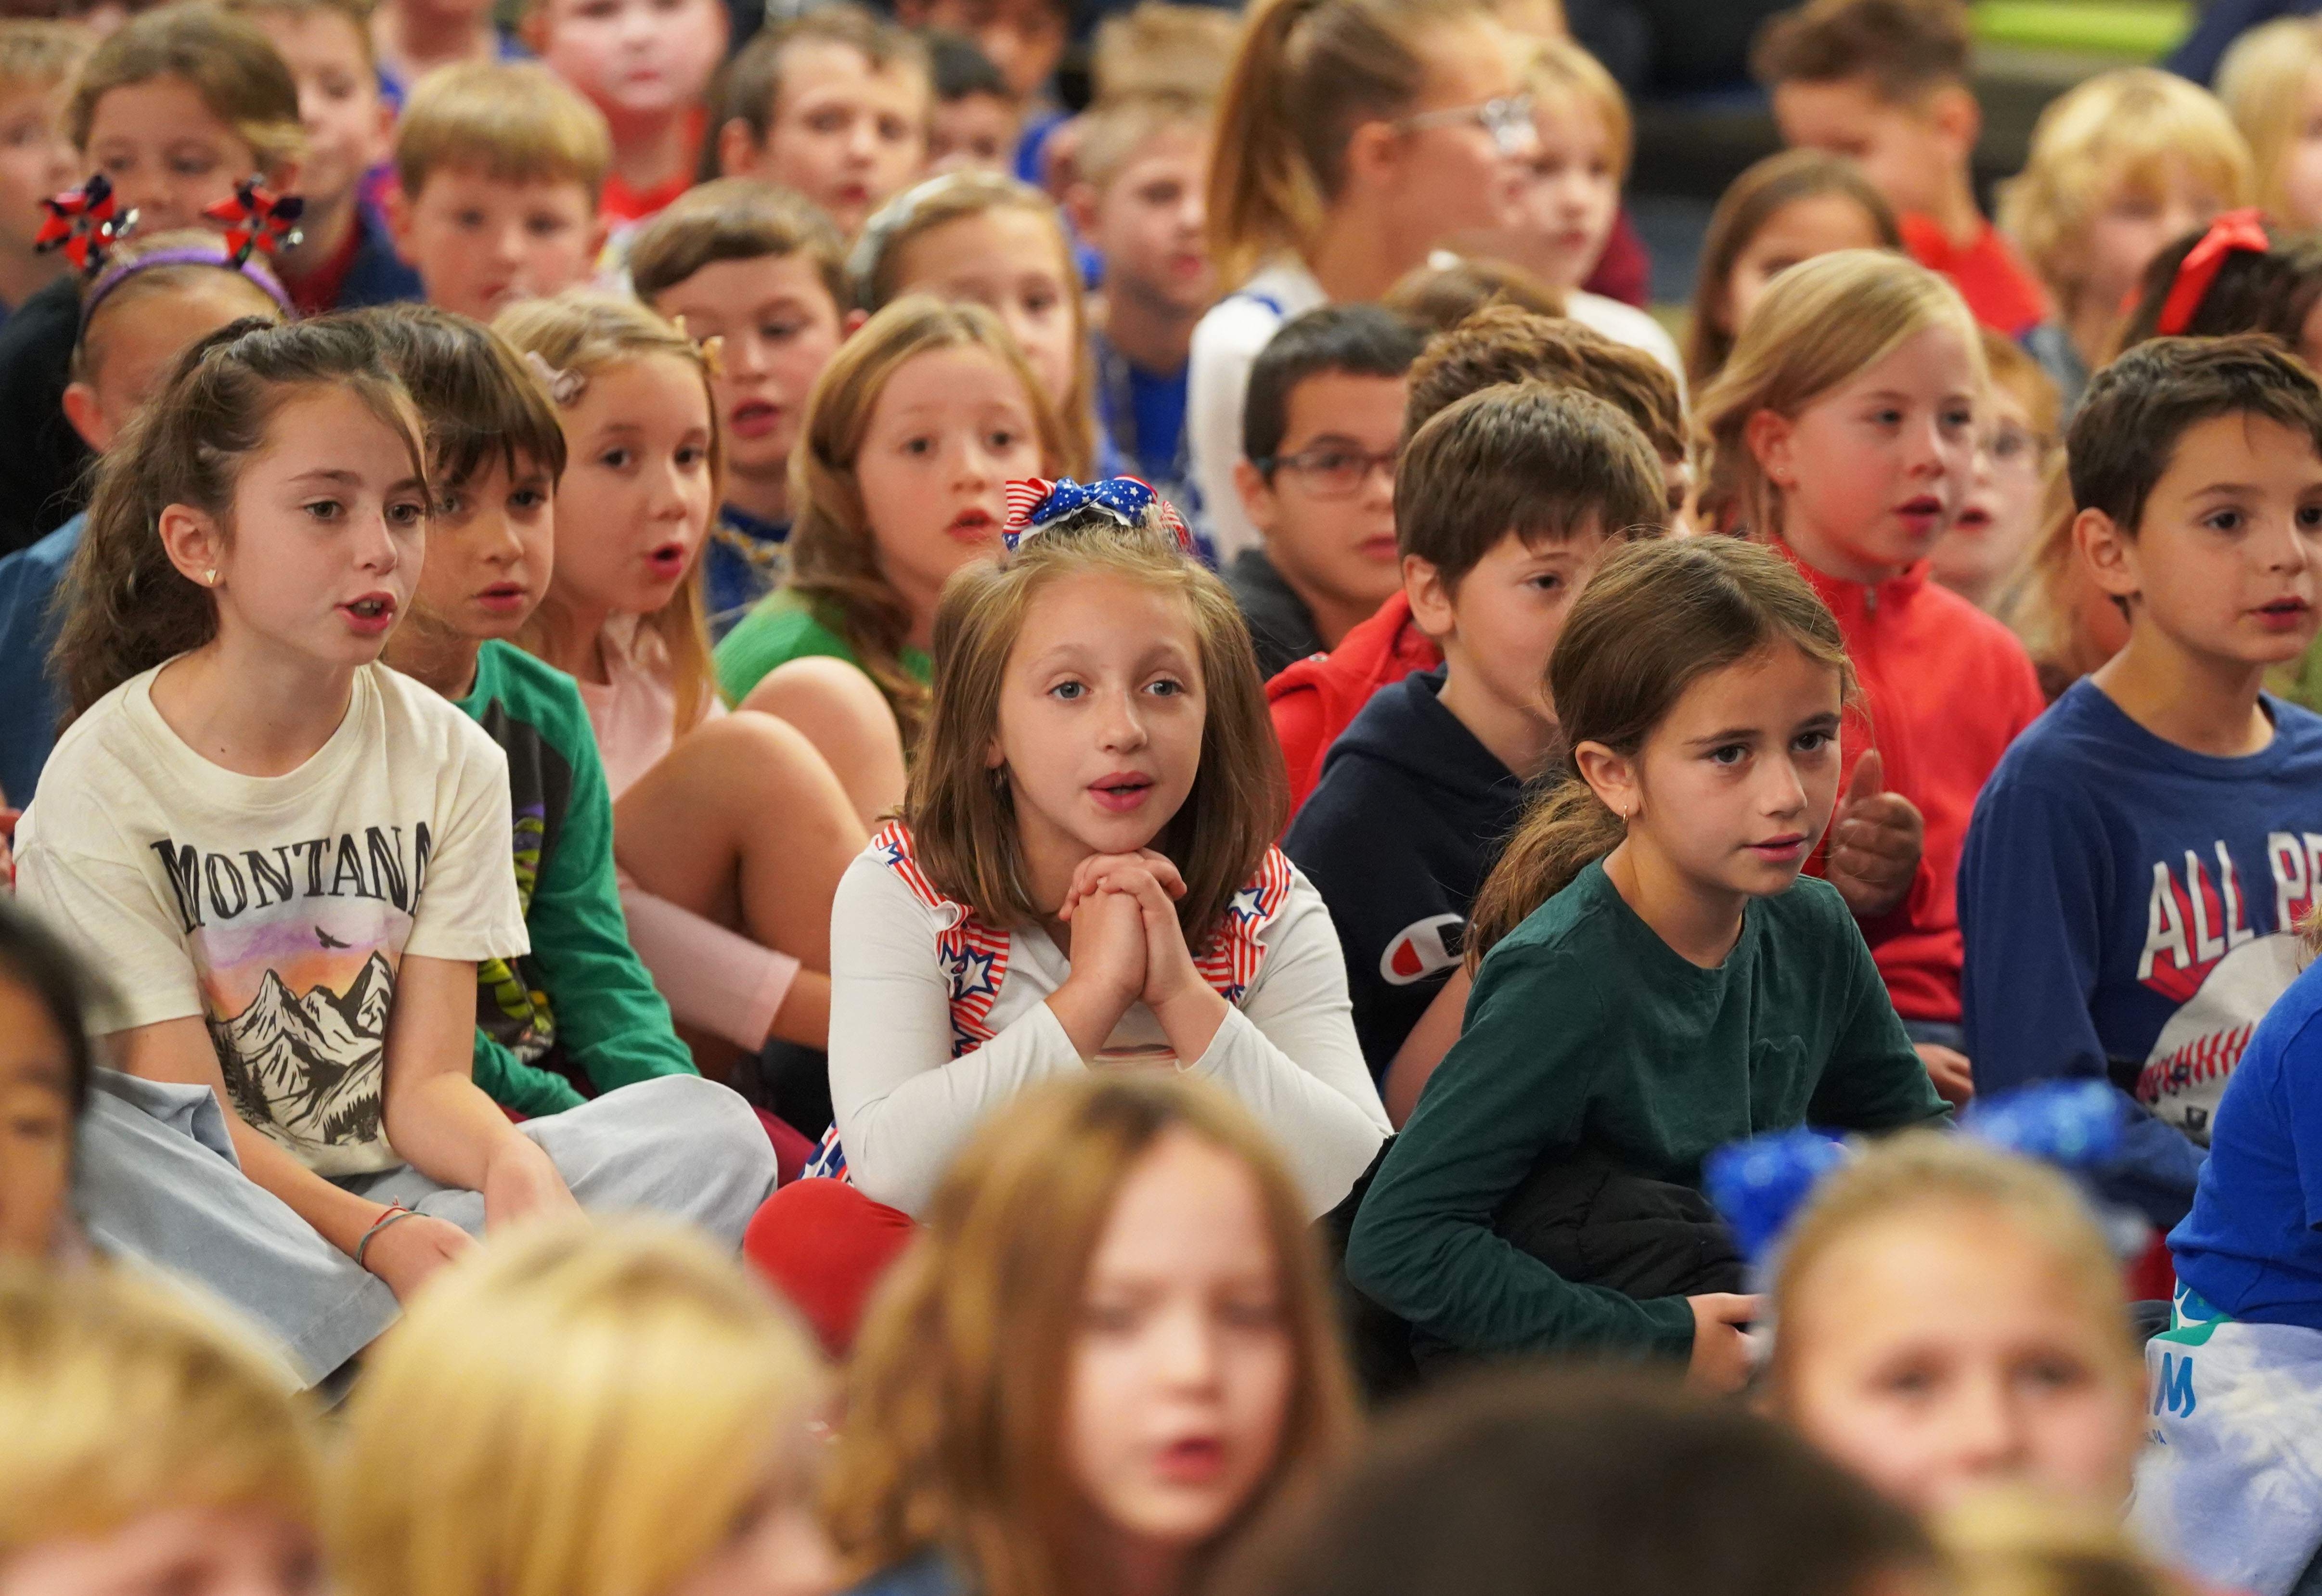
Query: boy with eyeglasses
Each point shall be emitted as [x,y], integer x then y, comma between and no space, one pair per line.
[1320,431]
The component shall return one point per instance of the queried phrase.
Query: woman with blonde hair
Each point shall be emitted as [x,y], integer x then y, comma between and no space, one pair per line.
[2119,166]
[1111,1350]
[616,1412]
[1354,136]
[147,1449]
[1843,433]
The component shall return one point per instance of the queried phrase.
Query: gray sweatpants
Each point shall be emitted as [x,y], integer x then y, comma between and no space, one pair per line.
[157,1179]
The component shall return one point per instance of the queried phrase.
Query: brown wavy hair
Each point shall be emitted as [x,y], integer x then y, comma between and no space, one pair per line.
[1656,618]
[834,555]
[956,1398]
[585,334]
[131,609]
[963,820]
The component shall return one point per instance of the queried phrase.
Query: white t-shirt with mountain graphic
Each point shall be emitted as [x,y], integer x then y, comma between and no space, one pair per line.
[278,908]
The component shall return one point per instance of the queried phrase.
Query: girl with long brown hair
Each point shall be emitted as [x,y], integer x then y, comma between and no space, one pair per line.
[1354,136]
[1083,875]
[911,432]
[1111,1350]
[1655,980]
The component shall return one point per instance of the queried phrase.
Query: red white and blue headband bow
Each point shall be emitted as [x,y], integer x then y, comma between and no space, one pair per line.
[1033,502]
[1759,1184]
[85,222]
[257,219]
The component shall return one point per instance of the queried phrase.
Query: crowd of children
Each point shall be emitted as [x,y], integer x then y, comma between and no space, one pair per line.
[825,821]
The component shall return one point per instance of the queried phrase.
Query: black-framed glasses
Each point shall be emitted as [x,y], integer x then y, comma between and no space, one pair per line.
[1331,471]
[1508,120]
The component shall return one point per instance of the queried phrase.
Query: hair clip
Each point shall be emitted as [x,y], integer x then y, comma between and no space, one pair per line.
[257,219]
[1759,1185]
[2234,231]
[1033,502]
[711,349]
[85,224]
[564,387]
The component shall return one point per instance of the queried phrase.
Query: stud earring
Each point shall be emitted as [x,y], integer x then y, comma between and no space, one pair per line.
[209,579]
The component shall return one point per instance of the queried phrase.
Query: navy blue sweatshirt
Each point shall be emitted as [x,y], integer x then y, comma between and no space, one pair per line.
[1400,831]
[2130,910]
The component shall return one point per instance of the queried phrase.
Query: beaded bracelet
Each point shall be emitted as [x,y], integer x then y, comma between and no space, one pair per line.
[395,1211]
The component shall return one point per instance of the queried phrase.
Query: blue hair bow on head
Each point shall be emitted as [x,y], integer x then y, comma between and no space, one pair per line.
[1760,1184]
[1033,502]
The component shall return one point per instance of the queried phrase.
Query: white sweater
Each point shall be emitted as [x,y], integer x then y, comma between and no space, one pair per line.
[1226,342]
[904,1105]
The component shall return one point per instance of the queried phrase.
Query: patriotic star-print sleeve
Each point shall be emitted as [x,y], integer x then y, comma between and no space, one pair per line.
[904,1104]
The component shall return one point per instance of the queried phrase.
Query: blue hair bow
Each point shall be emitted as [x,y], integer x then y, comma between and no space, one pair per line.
[1760,1184]
[1033,502]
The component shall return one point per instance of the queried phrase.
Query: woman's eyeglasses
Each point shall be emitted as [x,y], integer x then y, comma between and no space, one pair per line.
[1508,121]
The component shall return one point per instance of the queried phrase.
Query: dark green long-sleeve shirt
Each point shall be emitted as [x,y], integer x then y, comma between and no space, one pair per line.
[1585,1030]
[582,985]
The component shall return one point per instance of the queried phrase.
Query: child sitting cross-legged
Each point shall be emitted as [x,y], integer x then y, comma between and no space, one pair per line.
[2137,865]
[579,999]
[730,830]
[292,859]
[1313,700]
[1504,505]
[763,272]
[1655,980]
[1084,876]
[1321,430]
[497,170]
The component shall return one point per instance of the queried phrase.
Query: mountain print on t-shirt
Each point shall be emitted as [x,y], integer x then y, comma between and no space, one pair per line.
[296,949]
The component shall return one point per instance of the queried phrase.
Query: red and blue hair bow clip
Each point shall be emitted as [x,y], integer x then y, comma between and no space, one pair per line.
[85,222]
[257,219]
[1034,502]
[2233,233]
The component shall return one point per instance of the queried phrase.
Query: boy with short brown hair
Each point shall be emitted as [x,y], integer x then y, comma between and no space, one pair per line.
[834,104]
[344,258]
[647,65]
[498,171]
[762,271]
[1886,84]
[1314,700]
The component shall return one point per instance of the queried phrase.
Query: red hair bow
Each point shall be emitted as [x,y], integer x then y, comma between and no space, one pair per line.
[257,219]
[2233,231]
[83,222]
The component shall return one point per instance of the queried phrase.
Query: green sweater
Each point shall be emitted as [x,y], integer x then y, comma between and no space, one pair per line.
[582,988]
[783,628]
[1585,1030]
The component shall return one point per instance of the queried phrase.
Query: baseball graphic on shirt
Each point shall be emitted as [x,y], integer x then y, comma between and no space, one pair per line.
[2185,1073]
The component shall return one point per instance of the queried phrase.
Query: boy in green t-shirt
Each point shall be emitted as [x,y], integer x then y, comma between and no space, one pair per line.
[579,1005]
